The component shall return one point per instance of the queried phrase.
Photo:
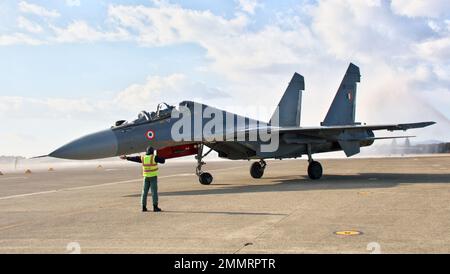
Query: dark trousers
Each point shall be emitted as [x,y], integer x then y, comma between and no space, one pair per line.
[150,183]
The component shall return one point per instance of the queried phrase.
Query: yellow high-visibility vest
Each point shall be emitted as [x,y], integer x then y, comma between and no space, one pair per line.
[149,166]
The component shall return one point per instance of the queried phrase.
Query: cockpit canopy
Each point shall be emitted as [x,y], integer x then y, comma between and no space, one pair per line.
[162,111]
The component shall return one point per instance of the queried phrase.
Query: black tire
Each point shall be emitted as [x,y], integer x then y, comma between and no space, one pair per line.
[256,170]
[205,178]
[315,170]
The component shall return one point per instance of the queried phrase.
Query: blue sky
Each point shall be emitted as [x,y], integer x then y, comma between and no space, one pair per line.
[75,66]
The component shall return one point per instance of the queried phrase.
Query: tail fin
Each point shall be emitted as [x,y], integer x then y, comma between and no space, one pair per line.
[342,110]
[289,109]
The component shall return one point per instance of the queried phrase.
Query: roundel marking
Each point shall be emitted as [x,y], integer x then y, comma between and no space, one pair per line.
[150,134]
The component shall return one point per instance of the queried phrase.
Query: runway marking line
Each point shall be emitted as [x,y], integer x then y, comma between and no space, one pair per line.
[10,178]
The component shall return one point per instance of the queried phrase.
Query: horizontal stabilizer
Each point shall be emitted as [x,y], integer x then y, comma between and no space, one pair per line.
[412,125]
[350,147]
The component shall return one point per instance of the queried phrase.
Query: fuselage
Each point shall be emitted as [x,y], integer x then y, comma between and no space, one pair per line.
[213,127]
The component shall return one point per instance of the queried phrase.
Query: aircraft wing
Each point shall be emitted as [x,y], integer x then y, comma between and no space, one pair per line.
[322,132]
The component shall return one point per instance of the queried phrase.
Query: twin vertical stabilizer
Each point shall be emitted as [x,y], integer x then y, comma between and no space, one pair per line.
[342,109]
[290,106]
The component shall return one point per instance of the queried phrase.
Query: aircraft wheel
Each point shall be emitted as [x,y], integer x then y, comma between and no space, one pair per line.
[256,170]
[205,178]
[315,170]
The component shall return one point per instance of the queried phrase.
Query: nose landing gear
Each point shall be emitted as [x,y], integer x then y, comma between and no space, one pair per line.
[204,178]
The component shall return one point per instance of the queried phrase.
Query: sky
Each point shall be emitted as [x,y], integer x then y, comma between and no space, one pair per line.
[71,67]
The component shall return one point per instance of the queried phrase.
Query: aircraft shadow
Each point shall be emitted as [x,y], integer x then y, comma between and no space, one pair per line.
[302,183]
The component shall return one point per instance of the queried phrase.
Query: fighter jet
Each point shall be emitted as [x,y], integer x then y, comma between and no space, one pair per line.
[192,127]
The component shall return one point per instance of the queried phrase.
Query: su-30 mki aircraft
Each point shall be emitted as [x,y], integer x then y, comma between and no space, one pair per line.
[188,129]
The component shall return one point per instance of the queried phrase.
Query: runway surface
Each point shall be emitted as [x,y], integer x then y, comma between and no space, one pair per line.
[400,205]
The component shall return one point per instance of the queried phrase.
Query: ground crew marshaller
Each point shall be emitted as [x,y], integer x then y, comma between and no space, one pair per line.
[150,172]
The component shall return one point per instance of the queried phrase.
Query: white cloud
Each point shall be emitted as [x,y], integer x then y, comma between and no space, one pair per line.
[171,89]
[18,39]
[434,26]
[249,5]
[73,3]
[80,31]
[155,89]
[26,7]
[229,44]
[436,49]
[25,107]
[362,29]
[421,8]
[167,24]
[27,25]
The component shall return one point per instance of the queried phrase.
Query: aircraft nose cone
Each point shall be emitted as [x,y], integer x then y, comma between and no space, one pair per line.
[101,144]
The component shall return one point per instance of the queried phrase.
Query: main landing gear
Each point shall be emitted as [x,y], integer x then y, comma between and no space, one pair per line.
[204,178]
[257,169]
[314,168]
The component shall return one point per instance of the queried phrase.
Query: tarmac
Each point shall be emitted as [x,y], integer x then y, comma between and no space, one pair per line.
[378,205]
